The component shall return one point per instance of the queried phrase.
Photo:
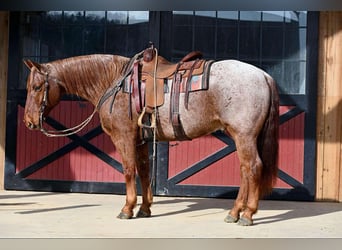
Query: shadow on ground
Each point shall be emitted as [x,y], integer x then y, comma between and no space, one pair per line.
[285,210]
[279,210]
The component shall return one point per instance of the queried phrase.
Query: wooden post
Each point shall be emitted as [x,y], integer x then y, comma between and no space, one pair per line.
[329,109]
[4,20]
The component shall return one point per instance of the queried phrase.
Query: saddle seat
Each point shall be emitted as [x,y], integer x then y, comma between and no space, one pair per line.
[165,68]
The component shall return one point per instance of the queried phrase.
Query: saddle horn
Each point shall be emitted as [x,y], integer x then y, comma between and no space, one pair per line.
[149,53]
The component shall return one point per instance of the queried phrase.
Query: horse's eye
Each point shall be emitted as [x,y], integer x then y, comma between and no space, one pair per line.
[37,88]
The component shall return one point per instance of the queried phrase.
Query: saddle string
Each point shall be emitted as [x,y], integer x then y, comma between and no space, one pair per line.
[154,127]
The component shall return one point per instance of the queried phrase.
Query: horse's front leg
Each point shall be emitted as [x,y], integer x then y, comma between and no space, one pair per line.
[143,171]
[128,154]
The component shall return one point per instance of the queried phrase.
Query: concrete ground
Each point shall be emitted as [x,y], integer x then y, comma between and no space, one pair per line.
[26,214]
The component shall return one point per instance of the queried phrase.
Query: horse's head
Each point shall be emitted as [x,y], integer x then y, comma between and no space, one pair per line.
[43,93]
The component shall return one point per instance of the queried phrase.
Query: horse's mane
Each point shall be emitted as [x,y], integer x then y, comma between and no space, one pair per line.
[90,75]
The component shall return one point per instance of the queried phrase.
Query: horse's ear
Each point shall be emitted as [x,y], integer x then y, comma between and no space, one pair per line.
[30,64]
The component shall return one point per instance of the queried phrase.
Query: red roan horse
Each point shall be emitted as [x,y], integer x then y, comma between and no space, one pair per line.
[242,101]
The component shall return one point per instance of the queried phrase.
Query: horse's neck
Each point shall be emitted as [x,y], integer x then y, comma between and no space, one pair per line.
[89,79]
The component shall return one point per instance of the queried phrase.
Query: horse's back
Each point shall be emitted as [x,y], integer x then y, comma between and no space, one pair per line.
[237,75]
[238,97]
[241,93]
[238,80]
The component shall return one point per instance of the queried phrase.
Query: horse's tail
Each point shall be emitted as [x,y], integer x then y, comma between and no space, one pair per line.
[268,141]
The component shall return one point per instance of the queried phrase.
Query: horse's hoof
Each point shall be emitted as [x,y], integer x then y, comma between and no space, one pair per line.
[243,221]
[143,214]
[230,219]
[124,216]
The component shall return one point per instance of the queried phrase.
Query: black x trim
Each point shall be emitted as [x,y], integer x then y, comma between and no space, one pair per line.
[230,148]
[77,141]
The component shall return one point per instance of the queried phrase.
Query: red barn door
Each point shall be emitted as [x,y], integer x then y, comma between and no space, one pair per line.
[209,166]
[81,162]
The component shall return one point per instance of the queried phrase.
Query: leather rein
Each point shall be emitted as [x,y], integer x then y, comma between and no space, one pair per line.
[58,133]
[79,127]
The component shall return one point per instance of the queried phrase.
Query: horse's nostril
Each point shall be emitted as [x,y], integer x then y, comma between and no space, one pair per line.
[30,125]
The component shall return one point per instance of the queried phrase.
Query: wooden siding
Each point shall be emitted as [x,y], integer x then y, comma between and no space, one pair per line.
[226,171]
[4,20]
[329,110]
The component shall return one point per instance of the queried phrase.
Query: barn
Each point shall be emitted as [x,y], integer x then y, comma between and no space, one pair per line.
[300,49]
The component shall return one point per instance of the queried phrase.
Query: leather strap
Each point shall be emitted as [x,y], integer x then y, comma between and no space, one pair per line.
[188,85]
[138,89]
[174,106]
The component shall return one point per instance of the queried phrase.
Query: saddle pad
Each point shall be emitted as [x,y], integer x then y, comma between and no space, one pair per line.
[196,83]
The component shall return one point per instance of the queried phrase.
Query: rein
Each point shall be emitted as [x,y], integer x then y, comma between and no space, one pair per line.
[58,133]
[79,127]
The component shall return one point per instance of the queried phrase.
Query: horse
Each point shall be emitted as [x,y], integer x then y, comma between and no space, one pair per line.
[241,100]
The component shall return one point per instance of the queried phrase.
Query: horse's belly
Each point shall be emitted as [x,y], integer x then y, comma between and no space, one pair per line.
[199,119]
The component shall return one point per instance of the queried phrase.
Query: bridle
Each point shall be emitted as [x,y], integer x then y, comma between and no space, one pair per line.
[79,127]
[58,133]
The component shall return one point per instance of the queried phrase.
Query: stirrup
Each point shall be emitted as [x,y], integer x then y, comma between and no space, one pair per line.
[142,125]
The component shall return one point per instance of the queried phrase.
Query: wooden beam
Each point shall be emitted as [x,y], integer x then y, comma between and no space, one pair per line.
[4,21]
[329,109]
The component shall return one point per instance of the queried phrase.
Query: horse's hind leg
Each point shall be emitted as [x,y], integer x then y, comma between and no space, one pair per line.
[143,171]
[248,196]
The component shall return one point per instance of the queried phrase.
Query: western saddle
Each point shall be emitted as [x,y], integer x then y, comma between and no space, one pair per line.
[149,79]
